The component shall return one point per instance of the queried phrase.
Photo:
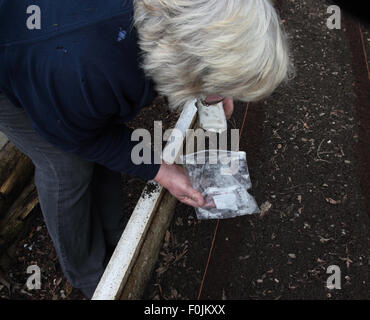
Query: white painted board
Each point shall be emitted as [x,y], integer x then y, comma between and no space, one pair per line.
[172,151]
[128,248]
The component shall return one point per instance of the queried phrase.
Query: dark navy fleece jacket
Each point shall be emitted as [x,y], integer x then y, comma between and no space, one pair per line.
[78,77]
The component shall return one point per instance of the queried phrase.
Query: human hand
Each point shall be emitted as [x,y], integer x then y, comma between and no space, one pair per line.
[176,180]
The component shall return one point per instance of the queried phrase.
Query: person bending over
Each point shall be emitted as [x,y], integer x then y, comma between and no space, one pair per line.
[78,70]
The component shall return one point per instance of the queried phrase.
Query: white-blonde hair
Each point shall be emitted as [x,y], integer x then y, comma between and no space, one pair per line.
[196,48]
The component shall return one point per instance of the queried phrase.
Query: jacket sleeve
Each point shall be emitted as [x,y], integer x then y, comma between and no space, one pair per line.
[112,147]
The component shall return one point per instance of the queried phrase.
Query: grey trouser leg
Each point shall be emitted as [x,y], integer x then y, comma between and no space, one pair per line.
[80,201]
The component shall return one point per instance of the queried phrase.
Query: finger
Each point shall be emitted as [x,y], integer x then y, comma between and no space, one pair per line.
[196,196]
[193,197]
[189,202]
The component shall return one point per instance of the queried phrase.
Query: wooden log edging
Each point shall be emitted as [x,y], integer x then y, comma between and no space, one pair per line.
[18,178]
[18,196]
[14,220]
[3,140]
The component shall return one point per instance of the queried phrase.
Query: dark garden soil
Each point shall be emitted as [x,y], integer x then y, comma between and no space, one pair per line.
[308,153]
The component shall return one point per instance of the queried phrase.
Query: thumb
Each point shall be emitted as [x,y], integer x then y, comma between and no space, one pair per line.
[195,196]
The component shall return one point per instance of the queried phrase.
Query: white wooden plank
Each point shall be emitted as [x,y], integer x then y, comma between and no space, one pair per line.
[128,247]
[173,148]
[135,285]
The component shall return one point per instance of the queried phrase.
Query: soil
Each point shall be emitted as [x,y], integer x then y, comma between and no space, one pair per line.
[308,153]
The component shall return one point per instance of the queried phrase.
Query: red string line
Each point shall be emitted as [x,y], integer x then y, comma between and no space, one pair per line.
[218,221]
[364,49]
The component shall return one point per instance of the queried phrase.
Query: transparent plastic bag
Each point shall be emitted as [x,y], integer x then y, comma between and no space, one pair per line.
[222,177]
